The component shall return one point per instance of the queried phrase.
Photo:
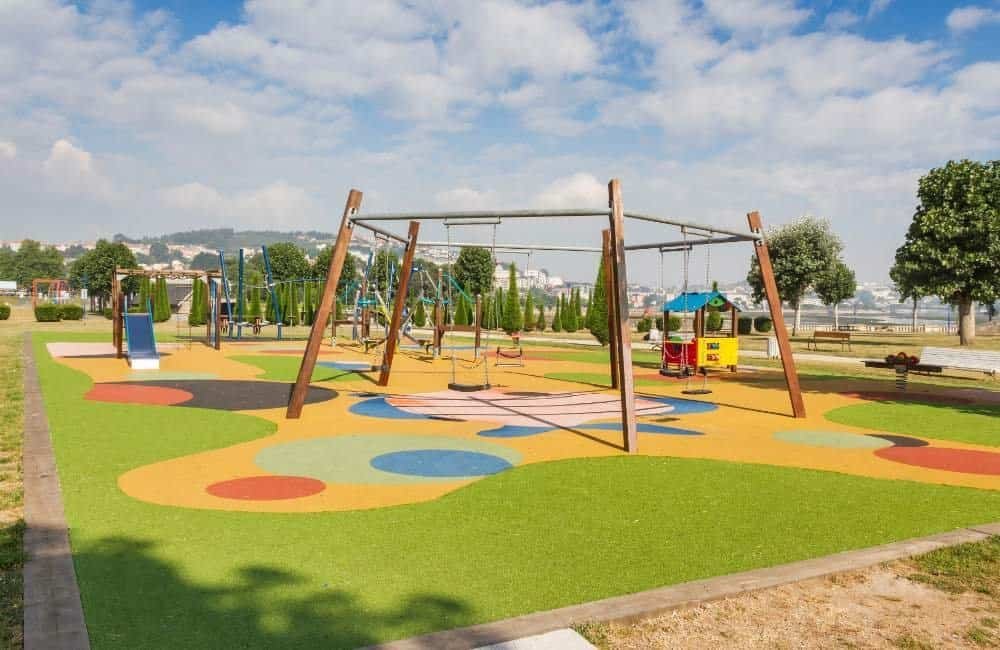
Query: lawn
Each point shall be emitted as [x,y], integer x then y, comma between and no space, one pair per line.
[975,424]
[532,538]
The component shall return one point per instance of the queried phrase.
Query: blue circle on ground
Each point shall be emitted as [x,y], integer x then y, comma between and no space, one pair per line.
[440,463]
[683,406]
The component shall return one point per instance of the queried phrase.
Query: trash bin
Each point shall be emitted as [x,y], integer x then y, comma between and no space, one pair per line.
[772,348]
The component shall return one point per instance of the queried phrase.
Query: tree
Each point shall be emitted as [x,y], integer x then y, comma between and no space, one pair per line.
[288,262]
[145,299]
[529,312]
[951,248]
[159,252]
[94,269]
[194,313]
[462,310]
[474,270]
[512,320]
[420,314]
[540,323]
[597,308]
[571,323]
[255,310]
[348,273]
[31,262]
[557,318]
[161,301]
[203,261]
[385,266]
[308,310]
[801,252]
[836,285]
[578,307]
[7,256]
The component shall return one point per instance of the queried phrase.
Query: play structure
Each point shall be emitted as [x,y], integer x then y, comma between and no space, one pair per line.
[53,288]
[141,340]
[682,355]
[613,249]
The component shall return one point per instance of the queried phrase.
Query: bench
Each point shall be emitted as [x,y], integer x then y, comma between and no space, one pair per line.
[976,360]
[819,335]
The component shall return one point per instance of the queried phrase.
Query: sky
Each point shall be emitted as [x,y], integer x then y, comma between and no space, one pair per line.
[148,117]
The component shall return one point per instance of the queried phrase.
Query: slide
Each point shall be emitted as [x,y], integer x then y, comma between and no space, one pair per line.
[142,354]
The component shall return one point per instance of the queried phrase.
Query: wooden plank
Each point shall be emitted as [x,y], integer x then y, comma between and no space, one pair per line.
[116,314]
[479,322]
[218,316]
[397,309]
[777,317]
[301,387]
[609,299]
[623,342]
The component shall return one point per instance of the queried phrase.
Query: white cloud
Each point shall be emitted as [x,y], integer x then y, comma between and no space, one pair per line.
[877,6]
[581,190]
[71,170]
[8,150]
[465,198]
[965,19]
[277,205]
[226,119]
[841,19]
[755,16]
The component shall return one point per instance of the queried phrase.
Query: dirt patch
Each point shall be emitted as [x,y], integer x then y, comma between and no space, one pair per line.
[874,608]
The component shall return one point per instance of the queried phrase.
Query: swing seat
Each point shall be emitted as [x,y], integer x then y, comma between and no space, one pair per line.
[467,388]
[510,357]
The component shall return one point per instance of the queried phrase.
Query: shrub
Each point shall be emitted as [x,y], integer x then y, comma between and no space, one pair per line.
[674,324]
[48,312]
[108,313]
[4,311]
[713,321]
[71,312]
[644,324]
[744,325]
[762,324]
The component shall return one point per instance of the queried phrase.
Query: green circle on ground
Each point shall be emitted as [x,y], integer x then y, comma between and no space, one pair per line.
[836,439]
[347,459]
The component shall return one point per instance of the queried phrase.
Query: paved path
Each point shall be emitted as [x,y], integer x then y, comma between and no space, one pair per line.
[53,615]
[648,604]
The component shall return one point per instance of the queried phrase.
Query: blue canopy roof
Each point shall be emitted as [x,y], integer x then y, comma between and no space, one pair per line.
[695,300]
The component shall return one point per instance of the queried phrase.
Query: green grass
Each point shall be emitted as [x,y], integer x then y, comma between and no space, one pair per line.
[975,424]
[967,567]
[536,537]
[286,368]
[11,491]
[598,378]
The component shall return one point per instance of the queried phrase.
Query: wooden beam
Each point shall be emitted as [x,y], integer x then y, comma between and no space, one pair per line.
[301,387]
[609,299]
[439,316]
[623,341]
[479,322]
[777,317]
[392,339]
[116,313]
[218,315]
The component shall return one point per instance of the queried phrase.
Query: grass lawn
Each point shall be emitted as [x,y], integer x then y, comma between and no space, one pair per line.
[11,491]
[976,424]
[536,537]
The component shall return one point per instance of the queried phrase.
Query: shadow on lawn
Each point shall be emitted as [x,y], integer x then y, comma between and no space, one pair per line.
[133,599]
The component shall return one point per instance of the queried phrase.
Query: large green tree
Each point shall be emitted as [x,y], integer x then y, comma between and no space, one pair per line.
[6,263]
[952,248]
[474,270]
[94,269]
[288,262]
[348,274]
[835,286]
[801,252]
[512,320]
[32,261]
[597,308]
[203,261]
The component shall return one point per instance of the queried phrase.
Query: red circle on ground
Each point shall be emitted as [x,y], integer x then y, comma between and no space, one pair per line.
[266,488]
[967,461]
[137,394]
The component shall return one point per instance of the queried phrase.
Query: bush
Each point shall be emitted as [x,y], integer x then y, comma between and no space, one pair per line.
[4,311]
[48,312]
[108,313]
[744,325]
[762,324]
[673,324]
[644,324]
[713,322]
[71,312]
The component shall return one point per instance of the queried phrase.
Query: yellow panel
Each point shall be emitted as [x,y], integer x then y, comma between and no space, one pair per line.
[718,352]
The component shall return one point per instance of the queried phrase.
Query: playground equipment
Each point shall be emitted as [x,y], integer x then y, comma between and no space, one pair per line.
[142,354]
[233,316]
[614,250]
[704,349]
[54,289]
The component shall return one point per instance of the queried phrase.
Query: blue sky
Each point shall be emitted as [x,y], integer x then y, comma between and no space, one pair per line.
[148,116]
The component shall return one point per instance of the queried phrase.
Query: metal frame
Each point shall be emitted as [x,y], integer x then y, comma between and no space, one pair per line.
[614,252]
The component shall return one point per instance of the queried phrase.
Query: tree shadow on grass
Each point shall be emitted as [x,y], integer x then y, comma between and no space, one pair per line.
[134,599]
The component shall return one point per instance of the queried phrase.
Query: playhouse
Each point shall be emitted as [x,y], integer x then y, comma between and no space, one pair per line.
[704,349]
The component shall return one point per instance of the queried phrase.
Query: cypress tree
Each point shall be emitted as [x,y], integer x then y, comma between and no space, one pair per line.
[563,313]
[586,318]
[579,308]
[512,321]
[462,310]
[420,314]
[270,314]
[597,321]
[193,313]
[529,313]
[307,303]
[572,322]
[144,299]
[254,307]
[557,318]
[499,306]
[161,302]
[540,324]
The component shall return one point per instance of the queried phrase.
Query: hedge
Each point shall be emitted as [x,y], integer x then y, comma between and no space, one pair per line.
[71,312]
[744,325]
[48,312]
[713,322]
[762,324]
[108,313]
[4,311]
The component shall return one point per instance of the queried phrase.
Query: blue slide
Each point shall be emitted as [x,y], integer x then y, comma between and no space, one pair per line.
[142,354]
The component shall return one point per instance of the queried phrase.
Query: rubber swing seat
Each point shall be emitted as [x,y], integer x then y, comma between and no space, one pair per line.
[468,388]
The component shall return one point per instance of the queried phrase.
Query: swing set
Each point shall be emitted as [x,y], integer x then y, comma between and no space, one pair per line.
[613,250]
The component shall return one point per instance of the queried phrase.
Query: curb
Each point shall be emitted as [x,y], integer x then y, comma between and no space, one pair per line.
[53,614]
[648,604]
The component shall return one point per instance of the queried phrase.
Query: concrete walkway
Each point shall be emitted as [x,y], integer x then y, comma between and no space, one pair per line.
[53,615]
[648,604]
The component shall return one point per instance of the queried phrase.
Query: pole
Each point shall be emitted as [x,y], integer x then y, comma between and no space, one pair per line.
[392,337]
[623,334]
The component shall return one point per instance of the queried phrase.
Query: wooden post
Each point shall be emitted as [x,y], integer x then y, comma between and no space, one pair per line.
[205,305]
[479,322]
[298,395]
[116,313]
[733,330]
[218,316]
[439,316]
[609,295]
[392,338]
[623,336]
[777,317]
[365,314]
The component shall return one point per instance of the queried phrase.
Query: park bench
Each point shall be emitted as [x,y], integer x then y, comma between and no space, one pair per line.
[975,360]
[819,335]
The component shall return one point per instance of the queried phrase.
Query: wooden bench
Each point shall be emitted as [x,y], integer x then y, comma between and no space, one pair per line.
[820,335]
[976,360]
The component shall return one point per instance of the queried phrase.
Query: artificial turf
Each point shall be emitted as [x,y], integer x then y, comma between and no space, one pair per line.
[978,424]
[532,538]
[286,368]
